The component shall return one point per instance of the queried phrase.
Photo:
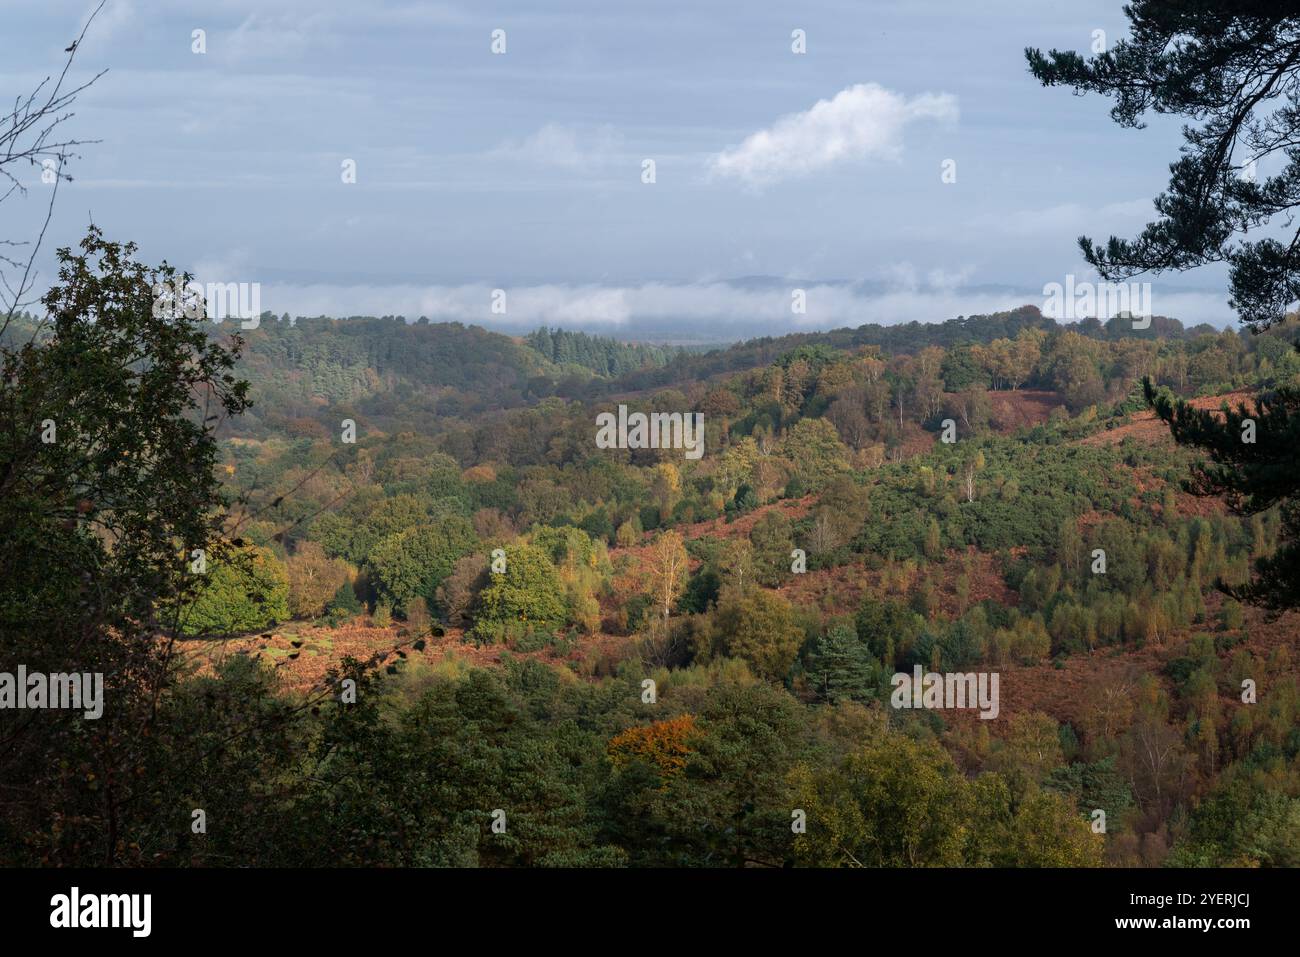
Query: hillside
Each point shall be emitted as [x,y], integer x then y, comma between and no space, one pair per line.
[949,502]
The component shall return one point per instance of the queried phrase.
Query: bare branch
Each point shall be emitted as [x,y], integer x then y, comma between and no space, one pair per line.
[28,134]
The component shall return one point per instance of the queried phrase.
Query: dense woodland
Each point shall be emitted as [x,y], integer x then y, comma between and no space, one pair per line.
[368,592]
[523,690]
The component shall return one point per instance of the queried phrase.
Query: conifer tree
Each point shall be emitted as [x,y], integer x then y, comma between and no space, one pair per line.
[1234,71]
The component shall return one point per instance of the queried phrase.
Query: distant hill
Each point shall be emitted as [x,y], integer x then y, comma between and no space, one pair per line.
[379,365]
[902,339]
[401,374]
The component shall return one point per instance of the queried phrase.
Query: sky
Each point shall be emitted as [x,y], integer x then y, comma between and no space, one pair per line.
[526,170]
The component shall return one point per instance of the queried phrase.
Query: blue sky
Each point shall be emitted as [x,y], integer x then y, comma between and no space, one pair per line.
[523,171]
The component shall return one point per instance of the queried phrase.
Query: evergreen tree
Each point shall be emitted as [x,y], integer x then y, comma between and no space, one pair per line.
[1254,476]
[841,668]
[1226,68]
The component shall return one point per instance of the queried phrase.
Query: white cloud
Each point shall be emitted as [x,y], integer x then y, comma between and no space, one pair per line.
[862,121]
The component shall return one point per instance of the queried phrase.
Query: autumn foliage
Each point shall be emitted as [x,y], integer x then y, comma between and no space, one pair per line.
[662,744]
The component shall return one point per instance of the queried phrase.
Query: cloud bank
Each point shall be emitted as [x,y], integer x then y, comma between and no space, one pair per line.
[706,311]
